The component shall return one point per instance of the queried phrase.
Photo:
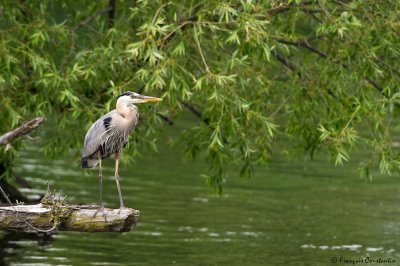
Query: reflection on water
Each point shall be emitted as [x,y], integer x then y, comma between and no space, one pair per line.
[12,244]
[353,247]
[291,214]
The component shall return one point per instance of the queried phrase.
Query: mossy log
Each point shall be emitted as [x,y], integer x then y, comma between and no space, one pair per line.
[72,218]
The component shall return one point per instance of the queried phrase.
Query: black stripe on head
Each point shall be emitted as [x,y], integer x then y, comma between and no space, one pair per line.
[107,122]
[127,93]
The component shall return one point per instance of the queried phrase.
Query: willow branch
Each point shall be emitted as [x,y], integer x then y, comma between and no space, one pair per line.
[200,51]
[306,44]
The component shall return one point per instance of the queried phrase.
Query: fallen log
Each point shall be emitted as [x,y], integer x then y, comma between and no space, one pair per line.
[80,218]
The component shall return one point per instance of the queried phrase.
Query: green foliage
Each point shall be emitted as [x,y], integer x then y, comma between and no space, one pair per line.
[314,76]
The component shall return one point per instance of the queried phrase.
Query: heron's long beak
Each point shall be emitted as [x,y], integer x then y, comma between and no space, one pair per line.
[150,99]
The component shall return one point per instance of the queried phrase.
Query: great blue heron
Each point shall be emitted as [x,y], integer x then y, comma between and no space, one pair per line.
[110,134]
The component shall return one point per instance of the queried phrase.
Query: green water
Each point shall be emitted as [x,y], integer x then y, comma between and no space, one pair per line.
[293,213]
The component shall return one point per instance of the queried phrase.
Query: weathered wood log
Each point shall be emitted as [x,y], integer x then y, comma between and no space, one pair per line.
[24,129]
[75,218]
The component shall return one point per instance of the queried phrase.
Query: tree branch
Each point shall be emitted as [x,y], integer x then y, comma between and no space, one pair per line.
[111,14]
[92,17]
[286,62]
[306,44]
[182,25]
[167,119]
[196,112]
[312,14]
[24,129]
[303,43]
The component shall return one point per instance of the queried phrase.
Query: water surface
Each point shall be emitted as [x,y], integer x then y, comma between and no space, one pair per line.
[293,213]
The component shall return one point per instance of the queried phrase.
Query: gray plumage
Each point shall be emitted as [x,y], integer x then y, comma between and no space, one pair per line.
[107,135]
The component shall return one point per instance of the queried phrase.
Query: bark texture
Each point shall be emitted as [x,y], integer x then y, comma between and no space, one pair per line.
[67,218]
[24,129]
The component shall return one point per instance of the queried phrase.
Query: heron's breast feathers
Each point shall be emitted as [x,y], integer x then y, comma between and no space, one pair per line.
[109,134]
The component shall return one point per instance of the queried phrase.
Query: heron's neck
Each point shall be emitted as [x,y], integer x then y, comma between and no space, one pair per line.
[128,111]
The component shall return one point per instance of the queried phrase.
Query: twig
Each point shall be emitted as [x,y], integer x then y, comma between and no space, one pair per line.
[24,220]
[172,33]
[167,119]
[340,3]
[196,112]
[24,129]
[200,51]
[278,109]
[286,63]
[303,43]
[284,8]
[92,17]
[313,15]
[158,12]
[29,137]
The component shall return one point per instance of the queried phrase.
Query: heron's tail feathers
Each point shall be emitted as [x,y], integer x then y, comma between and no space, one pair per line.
[89,163]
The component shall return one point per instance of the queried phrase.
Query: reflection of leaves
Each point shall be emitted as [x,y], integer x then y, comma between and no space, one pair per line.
[365,172]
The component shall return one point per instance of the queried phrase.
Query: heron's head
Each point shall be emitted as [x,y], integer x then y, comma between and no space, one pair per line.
[129,97]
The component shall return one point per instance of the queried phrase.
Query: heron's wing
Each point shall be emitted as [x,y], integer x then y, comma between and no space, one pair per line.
[96,133]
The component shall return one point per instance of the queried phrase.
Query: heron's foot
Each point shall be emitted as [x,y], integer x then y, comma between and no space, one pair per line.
[120,209]
[100,210]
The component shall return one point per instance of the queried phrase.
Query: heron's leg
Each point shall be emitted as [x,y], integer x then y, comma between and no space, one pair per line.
[121,201]
[100,183]
[101,207]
